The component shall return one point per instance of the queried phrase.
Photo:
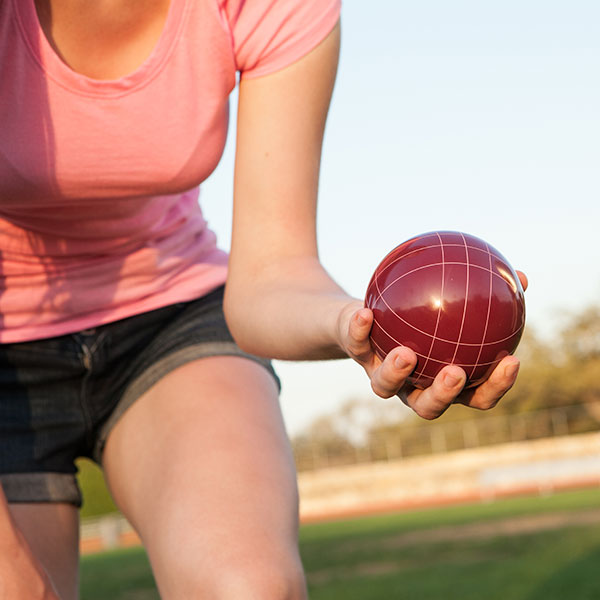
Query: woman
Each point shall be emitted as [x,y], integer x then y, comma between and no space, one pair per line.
[113,343]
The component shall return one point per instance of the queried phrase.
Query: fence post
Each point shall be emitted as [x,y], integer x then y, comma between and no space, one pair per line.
[560,424]
[518,428]
[437,438]
[470,434]
[392,451]
[110,531]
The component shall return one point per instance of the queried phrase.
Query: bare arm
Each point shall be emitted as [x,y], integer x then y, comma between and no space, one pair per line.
[279,301]
[274,263]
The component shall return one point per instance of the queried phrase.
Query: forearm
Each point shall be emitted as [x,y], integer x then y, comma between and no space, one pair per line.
[280,302]
[291,311]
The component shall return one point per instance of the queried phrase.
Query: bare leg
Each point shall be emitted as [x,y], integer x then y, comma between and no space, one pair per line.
[202,468]
[52,532]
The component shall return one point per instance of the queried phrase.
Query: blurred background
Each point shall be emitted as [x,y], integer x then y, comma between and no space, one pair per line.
[481,117]
[475,116]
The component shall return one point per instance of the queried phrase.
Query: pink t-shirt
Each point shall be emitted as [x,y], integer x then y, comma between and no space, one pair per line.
[99,214]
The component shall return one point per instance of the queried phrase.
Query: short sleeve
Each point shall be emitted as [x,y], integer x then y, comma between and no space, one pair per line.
[268,35]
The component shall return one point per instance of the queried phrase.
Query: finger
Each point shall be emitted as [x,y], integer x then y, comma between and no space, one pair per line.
[523,279]
[488,394]
[359,345]
[433,401]
[391,375]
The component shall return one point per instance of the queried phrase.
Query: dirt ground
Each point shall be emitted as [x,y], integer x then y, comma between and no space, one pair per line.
[502,527]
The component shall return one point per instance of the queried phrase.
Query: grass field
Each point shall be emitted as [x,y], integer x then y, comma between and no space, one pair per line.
[518,549]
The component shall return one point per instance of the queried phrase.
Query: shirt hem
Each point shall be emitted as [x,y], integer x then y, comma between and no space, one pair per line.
[155,301]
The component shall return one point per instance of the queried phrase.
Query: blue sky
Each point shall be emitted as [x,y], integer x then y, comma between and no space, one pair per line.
[470,115]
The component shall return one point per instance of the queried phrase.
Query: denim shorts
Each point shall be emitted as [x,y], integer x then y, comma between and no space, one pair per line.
[60,397]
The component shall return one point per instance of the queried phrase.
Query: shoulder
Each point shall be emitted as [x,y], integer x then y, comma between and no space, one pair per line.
[267,35]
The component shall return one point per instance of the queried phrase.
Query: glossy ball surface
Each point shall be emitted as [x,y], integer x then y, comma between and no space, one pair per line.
[450,297]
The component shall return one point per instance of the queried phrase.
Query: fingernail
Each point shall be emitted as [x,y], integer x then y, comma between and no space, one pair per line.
[512,370]
[400,362]
[451,381]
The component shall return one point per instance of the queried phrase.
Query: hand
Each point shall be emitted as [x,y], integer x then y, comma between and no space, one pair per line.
[388,377]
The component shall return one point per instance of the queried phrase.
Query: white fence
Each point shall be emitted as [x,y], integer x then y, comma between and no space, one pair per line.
[426,438]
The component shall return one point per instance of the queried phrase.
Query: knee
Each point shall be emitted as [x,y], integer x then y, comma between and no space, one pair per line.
[258,581]
[272,577]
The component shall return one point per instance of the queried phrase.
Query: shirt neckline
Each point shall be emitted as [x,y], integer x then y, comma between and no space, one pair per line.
[51,63]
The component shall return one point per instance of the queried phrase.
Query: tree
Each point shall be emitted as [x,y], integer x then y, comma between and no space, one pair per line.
[563,371]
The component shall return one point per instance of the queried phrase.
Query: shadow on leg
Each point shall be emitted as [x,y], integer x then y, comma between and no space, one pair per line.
[52,532]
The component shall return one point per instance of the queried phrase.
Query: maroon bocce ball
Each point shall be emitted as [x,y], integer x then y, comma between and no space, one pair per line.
[450,297]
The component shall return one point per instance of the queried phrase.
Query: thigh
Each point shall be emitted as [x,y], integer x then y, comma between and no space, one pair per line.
[202,467]
[52,532]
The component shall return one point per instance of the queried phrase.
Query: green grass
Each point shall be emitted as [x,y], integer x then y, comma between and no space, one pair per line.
[365,559]
[549,566]
[117,575]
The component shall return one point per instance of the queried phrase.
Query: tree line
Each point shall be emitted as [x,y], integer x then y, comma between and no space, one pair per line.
[558,386]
